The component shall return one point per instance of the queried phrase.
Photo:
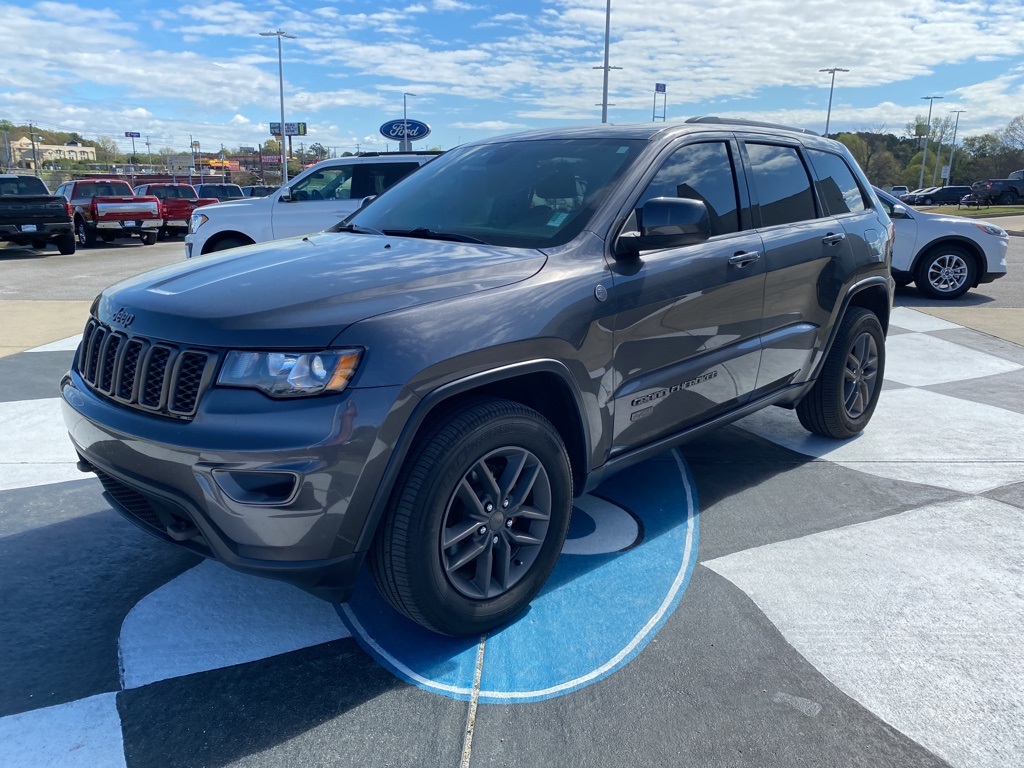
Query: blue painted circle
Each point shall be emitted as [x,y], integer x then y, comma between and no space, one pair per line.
[396,130]
[596,613]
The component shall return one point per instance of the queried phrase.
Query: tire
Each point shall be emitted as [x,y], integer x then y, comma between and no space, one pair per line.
[66,244]
[86,234]
[1007,198]
[946,272]
[149,238]
[228,243]
[929,201]
[843,399]
[449,554]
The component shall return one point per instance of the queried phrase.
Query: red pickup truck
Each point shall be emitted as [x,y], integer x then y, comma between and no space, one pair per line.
[177,201]
[108,208]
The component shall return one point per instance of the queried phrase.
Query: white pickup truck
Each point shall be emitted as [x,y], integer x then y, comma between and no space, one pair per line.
[316,199]
[944,256]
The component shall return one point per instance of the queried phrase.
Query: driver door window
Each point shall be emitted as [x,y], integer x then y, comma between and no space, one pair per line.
[326,184]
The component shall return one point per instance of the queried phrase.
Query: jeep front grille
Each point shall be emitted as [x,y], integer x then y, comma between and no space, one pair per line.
[149,375]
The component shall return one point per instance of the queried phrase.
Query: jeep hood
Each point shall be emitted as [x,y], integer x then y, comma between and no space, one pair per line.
[302,292]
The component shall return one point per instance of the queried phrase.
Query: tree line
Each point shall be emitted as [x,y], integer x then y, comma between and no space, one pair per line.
[890,159]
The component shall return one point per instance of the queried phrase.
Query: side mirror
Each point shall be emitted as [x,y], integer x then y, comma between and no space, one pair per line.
[286,195]
[366,201]
[667,222]
[899,212]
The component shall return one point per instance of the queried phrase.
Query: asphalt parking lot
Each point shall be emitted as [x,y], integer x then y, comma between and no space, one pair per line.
[760,597]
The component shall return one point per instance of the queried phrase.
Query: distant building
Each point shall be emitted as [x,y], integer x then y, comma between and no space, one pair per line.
[23,155]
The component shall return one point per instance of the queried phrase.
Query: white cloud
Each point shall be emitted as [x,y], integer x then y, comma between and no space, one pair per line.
[489,125]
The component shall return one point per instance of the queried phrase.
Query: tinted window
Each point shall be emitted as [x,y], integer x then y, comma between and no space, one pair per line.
[783,187]
[700,172]
[103,189]
[837,187]
[374,178]
[22,185]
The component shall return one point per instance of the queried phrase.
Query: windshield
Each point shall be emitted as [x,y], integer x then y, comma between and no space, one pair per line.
[221,191]
[528,194]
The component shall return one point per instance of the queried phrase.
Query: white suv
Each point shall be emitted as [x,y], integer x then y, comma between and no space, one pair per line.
[945,256]
[316,199]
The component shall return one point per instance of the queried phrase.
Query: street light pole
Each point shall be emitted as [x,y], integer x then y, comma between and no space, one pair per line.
[404,145]
[927,134]
[606,67]
[828,117]
[956,124]
[280,73]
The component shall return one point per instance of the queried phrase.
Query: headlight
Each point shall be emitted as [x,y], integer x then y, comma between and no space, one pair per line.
[991,229]
[290,374]
[196,221]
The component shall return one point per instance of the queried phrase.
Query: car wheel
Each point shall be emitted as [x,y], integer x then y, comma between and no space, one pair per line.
[1007,198]
[66,244]
[149,238]
[945,273]
[476,520]
[86,236]
[227,243]
[843,399]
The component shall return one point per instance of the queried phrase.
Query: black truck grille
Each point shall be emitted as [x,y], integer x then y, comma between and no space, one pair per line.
[152,376]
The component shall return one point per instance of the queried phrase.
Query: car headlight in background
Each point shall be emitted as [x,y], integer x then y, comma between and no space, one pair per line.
[196,221]
[991,229]
[290,374]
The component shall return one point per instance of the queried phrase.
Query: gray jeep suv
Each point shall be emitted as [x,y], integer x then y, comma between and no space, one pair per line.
[428,385]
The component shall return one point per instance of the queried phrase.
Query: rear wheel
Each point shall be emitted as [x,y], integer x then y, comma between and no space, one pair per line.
[476,520]
[945,273]
[66,244]
[842,401]
[149,238]
[1007,198]
[86,234]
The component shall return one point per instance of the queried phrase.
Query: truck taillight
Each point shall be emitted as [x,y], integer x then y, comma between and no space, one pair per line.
[67,207]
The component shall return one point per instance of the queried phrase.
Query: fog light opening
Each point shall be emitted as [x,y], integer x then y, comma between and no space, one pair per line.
[258,488]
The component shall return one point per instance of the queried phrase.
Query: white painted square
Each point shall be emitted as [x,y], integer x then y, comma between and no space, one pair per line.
[80,734]
[34,445]
[918,616]
[916,436]
[912,320]
[920,360]
[70,344]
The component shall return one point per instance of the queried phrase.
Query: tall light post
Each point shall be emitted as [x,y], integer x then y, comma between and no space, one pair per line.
[927,133]
[956,124]
[405,145]
[832,87]
[606,67]
[280,72]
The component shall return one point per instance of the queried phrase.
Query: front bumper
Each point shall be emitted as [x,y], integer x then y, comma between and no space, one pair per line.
[179,480]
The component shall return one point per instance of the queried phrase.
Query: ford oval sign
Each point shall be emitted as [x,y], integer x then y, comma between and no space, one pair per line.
[408,130]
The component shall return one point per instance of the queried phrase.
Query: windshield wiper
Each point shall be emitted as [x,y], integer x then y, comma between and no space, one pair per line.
[358,229]
[431,234]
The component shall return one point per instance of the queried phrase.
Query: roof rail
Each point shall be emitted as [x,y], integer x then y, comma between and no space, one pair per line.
[754,123]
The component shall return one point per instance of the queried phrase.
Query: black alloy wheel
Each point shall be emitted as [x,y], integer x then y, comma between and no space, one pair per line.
[841,402]
[476,520]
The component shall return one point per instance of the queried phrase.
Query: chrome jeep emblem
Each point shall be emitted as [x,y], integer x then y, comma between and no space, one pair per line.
[123,317]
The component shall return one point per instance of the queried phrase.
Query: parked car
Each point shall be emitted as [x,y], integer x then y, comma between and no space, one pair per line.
[258,191]
[938,196]
[221,192]
[177,202]
[432,383]
[1006,191]
[108,208]
[945,256]
[897,191]
[316,199]
[30,215]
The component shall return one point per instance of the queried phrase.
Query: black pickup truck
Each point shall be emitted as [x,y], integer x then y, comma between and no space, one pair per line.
[1002,191]
[30,215]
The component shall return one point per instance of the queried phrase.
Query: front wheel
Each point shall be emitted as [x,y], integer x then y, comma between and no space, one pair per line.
[843,399]
[476,520]
[929,201]
[945,273]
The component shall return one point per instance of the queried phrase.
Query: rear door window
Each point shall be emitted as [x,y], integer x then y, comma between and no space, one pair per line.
[373,178]
[838,190]
[782,184]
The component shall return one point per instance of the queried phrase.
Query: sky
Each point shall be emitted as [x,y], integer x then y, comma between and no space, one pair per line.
[477,69]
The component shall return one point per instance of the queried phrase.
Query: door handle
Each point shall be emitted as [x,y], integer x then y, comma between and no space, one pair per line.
[833,239]
[743,258]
